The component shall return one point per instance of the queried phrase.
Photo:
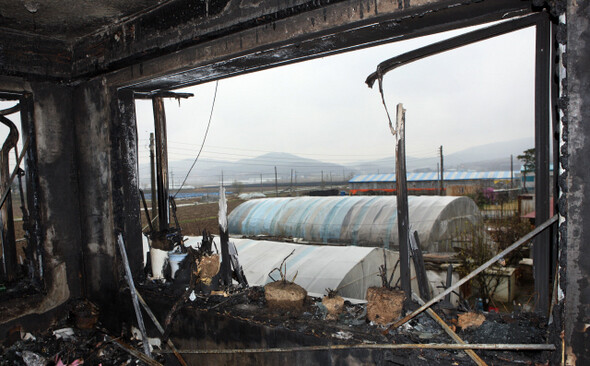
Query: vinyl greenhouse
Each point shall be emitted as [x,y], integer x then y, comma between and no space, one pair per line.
[356,220]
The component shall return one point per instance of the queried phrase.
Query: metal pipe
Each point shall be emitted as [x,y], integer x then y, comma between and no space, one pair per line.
[147,214]
[452,43]
[14,172]
[9,255]
[139,316]
[478,270]
[11,110]
[445,346]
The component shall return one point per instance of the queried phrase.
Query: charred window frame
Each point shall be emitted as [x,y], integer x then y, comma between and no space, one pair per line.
[545,248]
[20,273]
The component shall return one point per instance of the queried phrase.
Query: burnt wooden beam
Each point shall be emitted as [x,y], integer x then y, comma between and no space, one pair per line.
[33,56]
[192,59]
[225,269]
[161,164]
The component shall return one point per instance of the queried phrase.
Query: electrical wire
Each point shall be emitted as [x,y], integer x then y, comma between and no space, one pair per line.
[204,139]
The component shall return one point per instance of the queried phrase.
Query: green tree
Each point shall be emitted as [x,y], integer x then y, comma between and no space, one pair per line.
[528,158]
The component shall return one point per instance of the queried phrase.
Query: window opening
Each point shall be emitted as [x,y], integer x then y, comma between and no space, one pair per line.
[20,267]
[542,250]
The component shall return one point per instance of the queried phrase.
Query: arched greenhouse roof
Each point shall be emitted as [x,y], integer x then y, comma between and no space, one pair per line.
[349,270]
[355,220]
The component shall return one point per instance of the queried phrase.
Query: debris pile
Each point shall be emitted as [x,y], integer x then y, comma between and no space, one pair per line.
[75,340]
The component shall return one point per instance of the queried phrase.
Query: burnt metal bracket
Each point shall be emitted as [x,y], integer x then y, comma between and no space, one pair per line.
[542,248]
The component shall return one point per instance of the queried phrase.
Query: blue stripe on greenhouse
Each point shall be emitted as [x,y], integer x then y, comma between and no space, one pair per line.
[361,219]
[307,212]
[392,220]
[334,221]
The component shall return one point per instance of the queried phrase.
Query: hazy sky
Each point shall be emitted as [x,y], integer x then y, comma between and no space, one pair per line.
[322,109]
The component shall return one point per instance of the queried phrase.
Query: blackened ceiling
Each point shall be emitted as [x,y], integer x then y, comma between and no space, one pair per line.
[68,20]
[70,40]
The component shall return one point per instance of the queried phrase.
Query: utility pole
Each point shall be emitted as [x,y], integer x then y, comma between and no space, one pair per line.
[153,180]
[442,172]
[222,178]
[322,179]
[295,183]
[261,189]
[276,183]
[291,182]
[511,172]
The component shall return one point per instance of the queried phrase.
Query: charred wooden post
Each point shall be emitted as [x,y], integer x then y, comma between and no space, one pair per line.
[8,240]
[153,179]
[161,163]
[449,281]
[225,270]
[402,199]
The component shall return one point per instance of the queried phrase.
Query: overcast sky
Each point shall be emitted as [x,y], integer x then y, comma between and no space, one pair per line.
[322,109]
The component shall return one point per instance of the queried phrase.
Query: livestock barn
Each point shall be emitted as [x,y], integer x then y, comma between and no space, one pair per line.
[364,221]
[454,182]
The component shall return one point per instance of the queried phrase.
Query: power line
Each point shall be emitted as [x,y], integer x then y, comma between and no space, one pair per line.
[204,139]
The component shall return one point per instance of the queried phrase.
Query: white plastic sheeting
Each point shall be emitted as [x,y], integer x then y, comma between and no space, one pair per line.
[350,270]
[364,220]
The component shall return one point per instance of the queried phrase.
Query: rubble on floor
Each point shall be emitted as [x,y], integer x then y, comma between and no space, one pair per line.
[75,340]
[79,338]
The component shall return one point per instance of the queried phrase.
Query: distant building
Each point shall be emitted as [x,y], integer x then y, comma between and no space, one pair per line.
[455,183]
[529,181]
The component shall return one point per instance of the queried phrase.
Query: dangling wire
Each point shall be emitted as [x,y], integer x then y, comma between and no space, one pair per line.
[393,130]
[204,139]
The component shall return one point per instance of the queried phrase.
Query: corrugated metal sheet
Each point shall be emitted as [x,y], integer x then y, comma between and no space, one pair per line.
[432,176]
[356,220]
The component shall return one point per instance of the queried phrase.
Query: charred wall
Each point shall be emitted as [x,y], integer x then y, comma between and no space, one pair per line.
[577,130]
[56,200]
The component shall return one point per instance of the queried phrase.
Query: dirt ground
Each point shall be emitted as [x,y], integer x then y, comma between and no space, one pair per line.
[197,216]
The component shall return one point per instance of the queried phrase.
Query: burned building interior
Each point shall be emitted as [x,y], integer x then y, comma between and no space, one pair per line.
[71,71]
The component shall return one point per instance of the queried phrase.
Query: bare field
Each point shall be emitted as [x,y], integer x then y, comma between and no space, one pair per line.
[195,218]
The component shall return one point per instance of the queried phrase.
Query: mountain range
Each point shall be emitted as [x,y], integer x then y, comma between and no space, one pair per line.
[489,157]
